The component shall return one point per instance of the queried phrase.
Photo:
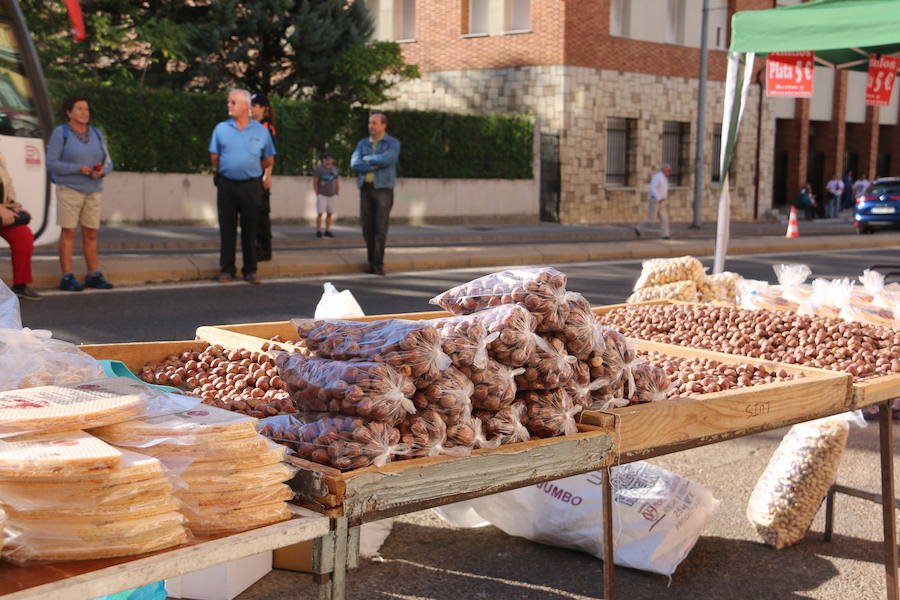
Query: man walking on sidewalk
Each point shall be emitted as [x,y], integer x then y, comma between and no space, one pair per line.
[656,203]
[375,159]
[835,189]
[240,150]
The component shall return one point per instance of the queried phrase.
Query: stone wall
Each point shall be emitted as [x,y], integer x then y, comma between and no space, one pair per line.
[576,102]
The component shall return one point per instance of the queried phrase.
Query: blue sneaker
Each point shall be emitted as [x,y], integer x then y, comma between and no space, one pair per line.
[70,284]
[97,282]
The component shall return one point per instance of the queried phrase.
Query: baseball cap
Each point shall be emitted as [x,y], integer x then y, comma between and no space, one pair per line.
[259,100]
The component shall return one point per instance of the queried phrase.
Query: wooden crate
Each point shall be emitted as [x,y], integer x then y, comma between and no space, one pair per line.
[398,487]
[866,392]
[648,428]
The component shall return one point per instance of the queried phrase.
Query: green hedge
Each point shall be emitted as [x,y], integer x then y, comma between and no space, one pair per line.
[165,131]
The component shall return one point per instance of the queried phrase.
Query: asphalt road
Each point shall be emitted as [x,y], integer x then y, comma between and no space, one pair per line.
[173,312]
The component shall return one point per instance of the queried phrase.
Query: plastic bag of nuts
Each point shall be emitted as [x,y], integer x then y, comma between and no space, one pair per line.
[549,412]
[619,359]
[791,489]
[465,340]
[723,286]
[515,343]
[495,385]
[371,390]
[450,395]
[551,368]
[426,435]
[581,334]
[541,290]
[506,424]
[341,442]
[658,271]
[414,347]
[651,384]
[582,388]
[682,291]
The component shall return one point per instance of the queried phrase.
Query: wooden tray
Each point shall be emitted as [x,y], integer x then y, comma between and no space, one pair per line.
[399,487]
[653,428]
[866,392]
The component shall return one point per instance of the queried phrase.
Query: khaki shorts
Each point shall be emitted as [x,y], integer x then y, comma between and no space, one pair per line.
[77,208]
[325,204]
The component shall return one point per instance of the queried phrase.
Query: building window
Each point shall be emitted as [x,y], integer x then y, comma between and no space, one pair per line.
[675,21]
[518,15]
[883,164]
[620,17]
[404,20]
[675,138]
[479,11]
[619,150]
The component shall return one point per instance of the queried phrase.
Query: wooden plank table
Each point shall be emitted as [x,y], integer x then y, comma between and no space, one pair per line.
[78,580]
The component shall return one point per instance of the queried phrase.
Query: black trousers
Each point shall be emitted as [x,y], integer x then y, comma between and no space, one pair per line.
[375,215]
[238,200]
[264,228]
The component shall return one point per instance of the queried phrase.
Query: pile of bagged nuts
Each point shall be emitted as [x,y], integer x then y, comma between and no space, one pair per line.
[860,349]
[239,380]
[695,376]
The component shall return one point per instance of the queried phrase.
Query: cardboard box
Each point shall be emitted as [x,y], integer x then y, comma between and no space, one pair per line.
[297,557]
[222,582]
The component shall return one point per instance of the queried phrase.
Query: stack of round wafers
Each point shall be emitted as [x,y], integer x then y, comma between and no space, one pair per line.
[71,496]
[233,477]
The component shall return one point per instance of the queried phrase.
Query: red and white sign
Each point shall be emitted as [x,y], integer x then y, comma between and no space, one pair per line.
[882,77]
[789,74]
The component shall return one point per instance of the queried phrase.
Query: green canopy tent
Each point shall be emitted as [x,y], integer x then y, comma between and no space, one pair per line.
[842,33]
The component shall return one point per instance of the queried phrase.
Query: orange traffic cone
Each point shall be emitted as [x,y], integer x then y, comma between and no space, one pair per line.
[792,230]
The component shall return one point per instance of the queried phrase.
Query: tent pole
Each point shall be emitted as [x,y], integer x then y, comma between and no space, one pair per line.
[701,118]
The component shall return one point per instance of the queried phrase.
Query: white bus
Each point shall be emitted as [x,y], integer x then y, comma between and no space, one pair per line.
[26,122]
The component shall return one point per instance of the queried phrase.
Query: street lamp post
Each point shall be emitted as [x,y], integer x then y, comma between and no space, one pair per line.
[701,106]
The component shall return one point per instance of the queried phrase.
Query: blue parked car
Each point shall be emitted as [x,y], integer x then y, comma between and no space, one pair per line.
[878,206]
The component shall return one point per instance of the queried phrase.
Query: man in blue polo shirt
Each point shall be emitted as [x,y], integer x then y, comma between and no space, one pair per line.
[240,150]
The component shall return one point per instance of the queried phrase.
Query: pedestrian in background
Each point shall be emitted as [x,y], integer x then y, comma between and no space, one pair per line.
[860,186]
[835,189]
[847,193]
[806,202]
[78,160]
[240,149]
[375,159]
[656,202]
[327,186]
[263,112]
[15,230]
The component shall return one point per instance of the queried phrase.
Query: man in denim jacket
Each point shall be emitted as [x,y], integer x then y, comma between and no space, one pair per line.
[375,159]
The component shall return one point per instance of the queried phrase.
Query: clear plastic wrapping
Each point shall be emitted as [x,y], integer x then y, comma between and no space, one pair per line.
[213,481]
[722,287]
[619,359]
[792,282]
[465,339]
[754,294]
[225,500]
[515,343]
[541,290]
[56,455]
[238,519]
[682,291]
[550,413]
[551,368]
[371,390]
[659,271]
[32,358]
[494,386]
[64,496]
[651,384]
[506,424]
[791,489]
[425,434]
[201,424]
[84,405]
[828,298]
[450,395]
[581,334]
[413,347]
[341,442]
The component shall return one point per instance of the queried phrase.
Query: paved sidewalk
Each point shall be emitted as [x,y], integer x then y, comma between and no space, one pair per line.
[133,255]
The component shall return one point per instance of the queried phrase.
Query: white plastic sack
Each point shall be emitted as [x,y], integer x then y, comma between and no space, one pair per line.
[373,535]
[658,516]
[337,305]
[10,317]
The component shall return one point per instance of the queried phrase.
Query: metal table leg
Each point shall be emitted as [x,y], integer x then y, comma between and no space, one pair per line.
[886,440]
[608,564]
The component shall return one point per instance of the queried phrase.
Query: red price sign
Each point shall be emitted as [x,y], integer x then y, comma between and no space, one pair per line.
[882,76]
[789,74]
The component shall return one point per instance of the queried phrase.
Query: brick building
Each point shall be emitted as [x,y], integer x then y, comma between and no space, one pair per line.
[612,85]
